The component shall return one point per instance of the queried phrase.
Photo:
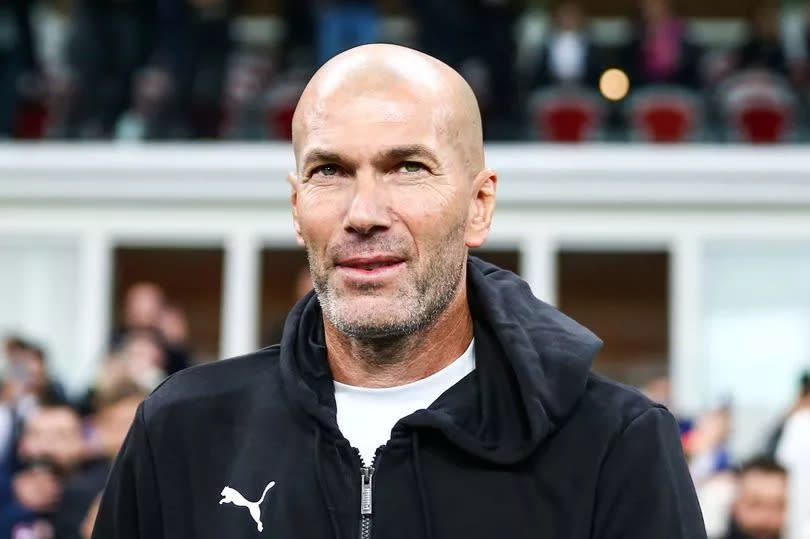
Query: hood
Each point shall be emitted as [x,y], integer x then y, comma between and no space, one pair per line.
[532,366]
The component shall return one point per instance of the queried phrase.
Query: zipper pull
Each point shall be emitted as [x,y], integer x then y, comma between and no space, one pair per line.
[366,476]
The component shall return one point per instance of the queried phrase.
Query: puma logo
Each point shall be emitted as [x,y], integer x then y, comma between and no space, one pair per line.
[230,495]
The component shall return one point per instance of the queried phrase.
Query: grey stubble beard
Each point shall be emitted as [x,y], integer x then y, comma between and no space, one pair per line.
[432,292]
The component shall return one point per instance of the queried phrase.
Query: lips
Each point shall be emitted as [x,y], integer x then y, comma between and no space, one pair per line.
[369,263]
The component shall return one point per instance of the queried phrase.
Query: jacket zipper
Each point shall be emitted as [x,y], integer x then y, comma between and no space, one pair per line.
[366,476]
[366,489]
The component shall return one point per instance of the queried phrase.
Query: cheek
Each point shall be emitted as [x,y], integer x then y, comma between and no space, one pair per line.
[428,216]
[320,215]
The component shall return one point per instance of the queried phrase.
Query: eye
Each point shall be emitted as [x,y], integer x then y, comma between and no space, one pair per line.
[410,167]
[325,170]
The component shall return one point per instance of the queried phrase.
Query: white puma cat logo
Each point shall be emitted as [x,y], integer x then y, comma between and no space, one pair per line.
[230,495]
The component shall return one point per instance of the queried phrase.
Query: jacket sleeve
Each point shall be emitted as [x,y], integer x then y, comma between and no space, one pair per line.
[130,506]
[645,489]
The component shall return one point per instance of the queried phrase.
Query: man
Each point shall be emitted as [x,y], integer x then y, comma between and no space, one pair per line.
[51,451]
[760,508]
[379,415]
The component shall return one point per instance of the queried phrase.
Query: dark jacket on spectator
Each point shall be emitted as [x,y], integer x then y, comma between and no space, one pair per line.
[531,444]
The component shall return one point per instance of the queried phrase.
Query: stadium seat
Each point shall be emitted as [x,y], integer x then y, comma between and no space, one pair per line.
[664,114]
[563,114]
[758,106]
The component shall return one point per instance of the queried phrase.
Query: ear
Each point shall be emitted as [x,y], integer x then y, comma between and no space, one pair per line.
[292,179]
[482,206]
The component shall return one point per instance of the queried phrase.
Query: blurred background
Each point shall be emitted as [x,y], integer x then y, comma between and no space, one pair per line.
[654,184]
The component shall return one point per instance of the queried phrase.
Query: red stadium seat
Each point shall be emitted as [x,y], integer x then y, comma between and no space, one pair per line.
[765,123]
[664,114]
[567,114]
[759,107]
[31,121]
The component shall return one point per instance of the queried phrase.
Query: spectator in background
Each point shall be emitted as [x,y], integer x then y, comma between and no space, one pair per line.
[115,410]
[568,56]
[759,508]
[343,24]
[194,43]
[51,450]
[147,311]
[143,305]
[793,452]
[109,42]
[173,327]
[660,51]
[764,48]
[706,445]
[18,58]
[25,387]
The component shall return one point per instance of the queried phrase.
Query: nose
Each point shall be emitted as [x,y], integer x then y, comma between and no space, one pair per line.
[369,211]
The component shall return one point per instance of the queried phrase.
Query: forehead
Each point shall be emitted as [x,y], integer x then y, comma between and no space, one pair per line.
[367,122]
[764,483]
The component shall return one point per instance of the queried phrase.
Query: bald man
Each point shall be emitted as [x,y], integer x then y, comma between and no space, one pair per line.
[417,392]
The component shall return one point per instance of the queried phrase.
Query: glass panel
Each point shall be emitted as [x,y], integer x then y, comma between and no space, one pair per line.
[623,297]
[756,324]
[38,280]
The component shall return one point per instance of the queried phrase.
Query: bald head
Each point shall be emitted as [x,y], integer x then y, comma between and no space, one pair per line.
[389,191]
[382,78]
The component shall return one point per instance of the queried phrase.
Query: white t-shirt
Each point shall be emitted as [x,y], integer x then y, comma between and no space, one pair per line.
[367,415]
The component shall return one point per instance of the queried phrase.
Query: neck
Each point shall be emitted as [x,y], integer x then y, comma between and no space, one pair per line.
[404,359]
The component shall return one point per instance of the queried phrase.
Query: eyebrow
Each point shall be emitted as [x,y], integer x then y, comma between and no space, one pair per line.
[395,153]
[406,151]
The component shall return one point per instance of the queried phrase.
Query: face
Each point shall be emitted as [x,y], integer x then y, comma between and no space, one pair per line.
[53,434]
[759,510]
[382,200]
[143,306]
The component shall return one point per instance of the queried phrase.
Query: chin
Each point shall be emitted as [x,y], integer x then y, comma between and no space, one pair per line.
[370,318]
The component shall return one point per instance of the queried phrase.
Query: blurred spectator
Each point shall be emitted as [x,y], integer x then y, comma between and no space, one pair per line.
[51,449]
[108,44]
[18,59]
[568,56]
[759,509]
[343,24]
[143,306]
[194,43]
[793,451]
[706,444]
[764,47]
[25,387]
[149,314]
[660,51]
[173,327]
[115,411]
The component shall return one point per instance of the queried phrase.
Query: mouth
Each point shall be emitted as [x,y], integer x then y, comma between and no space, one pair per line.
[370,266]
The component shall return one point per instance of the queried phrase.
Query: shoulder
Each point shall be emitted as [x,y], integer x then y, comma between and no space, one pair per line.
[614,407]
[217,383]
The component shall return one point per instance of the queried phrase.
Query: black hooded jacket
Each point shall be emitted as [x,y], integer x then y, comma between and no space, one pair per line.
[529,445]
